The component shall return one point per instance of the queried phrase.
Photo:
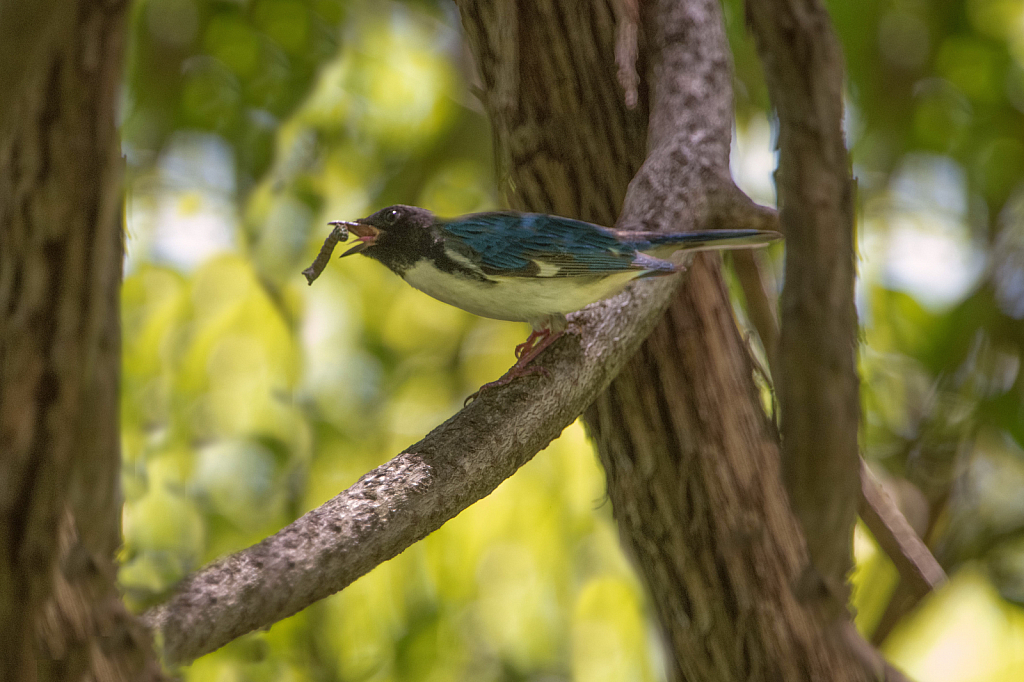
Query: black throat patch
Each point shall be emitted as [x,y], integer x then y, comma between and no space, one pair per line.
[399,252]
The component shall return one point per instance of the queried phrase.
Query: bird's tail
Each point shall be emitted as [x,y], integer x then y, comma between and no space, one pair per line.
[705,240]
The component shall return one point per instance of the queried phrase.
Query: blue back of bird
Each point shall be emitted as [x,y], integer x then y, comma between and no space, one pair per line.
[510,242]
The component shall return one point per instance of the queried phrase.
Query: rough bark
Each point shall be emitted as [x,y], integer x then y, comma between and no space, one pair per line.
[61,617]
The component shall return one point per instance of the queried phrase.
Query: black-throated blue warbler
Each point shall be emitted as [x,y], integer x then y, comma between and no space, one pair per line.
[525,267]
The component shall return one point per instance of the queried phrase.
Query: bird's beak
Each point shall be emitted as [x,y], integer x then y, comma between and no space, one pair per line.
[366,234]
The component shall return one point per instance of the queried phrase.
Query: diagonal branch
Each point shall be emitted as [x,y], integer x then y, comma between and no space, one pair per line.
[734,209]
[761,308]
[915,562]
[414,494]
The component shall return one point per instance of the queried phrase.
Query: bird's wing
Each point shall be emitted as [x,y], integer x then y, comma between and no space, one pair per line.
[537,245]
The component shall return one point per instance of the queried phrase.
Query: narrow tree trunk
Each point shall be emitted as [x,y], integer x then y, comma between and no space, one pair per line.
[692,461]
[61,617]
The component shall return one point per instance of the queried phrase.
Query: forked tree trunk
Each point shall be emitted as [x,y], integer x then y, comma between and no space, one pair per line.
[692,461]
[61,616]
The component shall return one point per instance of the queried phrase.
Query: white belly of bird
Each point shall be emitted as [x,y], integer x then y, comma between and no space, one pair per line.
[518,299]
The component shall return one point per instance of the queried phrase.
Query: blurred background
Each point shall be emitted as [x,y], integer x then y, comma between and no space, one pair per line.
[250,398]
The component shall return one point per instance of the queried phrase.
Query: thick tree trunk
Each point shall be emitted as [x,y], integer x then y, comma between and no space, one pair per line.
[692,461]
[61,617]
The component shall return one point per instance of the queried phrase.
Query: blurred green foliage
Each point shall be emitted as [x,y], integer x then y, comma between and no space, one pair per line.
[250,398]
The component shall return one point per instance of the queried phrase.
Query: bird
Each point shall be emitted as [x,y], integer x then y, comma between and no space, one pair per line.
[525,267]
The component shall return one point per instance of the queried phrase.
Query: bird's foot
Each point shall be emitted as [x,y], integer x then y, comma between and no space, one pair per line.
[527,346]
[525,352]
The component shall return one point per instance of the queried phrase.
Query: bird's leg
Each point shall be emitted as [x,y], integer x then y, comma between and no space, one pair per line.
[525,352]
[534,349]
[527,346]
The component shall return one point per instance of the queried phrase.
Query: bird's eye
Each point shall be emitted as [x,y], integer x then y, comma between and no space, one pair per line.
[392,216]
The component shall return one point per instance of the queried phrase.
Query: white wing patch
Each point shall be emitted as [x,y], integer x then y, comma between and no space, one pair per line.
[545,269]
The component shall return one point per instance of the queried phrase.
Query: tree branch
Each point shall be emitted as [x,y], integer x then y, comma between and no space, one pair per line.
[869,657]
[918,568]
[735,210]
[761,308]
[414,494]
[818,385]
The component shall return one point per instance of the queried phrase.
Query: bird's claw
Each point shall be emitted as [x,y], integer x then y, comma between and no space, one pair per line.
[526,346]
[526,352]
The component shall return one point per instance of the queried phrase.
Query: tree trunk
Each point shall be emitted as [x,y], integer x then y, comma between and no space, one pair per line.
[61,616]
[691,459]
